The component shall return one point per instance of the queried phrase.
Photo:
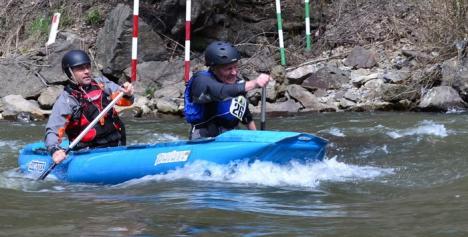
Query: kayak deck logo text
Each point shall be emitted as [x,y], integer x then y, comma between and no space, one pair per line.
[170,157]
[36,166]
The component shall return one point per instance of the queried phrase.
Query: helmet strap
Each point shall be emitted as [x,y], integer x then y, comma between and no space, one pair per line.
[72,79]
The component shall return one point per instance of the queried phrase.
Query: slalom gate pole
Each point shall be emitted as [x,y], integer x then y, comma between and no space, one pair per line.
[307,24]
[188,13]
[136,6]
[280,32]
[53,29]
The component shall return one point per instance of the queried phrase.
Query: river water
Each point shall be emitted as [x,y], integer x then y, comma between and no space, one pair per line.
[385,174]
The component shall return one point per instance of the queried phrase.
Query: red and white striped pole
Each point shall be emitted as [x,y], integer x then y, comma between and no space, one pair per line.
[136,5]
[188,14]
[53,29]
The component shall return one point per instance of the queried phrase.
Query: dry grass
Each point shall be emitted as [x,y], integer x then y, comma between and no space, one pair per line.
[442,22]
[21,22]
[428,25]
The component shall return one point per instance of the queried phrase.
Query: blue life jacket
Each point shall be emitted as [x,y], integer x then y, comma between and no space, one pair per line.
[230,109]
[193,112]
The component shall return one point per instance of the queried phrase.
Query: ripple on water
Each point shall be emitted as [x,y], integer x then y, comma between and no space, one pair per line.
[425,127]
[10,144]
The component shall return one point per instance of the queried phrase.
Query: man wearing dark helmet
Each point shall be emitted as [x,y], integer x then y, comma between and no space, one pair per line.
[215,99]
[81,101]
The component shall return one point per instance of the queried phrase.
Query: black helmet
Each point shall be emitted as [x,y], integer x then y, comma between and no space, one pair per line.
[74,58]
[220,52]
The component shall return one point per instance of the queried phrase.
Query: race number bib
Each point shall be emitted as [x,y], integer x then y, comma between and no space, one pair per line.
[238,107]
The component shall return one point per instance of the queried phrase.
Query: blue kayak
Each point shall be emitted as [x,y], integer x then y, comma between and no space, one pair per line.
[118,164]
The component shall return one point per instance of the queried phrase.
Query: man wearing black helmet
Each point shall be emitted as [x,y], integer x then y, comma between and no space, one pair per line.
[215,99]
[81,101]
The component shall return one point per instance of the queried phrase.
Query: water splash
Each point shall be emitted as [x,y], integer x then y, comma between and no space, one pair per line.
[12,179]
[426,127]
[455,110]
[295,174]
[15,180]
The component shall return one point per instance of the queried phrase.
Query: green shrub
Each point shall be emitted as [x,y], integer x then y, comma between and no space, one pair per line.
[149,92]
[93,17]
[39,27]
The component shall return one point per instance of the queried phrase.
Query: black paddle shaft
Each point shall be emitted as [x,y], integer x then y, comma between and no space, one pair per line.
[47,172]
[263,109]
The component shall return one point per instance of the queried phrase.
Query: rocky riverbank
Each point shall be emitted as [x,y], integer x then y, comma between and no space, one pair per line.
[346,77]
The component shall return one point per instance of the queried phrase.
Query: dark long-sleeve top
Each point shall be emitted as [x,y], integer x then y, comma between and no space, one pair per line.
[208,90]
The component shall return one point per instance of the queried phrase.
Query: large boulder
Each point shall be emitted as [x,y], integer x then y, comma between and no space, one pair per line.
[298,75]
[455,74]
[271,90]
[396,76]
[114,42]
[154,75]
[362,76]
[170,91]
[371,91]
[441,98]
[16,79]
[278,74]
[361,58]
[166,105]
[308,100]
[16,104]
[328,77]
[49,96]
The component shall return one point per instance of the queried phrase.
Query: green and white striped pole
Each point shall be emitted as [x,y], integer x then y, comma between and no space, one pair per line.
[280,32]
[307,24]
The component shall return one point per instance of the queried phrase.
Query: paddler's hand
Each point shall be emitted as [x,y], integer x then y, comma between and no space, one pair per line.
[127,89]
[261,81]
[59,156]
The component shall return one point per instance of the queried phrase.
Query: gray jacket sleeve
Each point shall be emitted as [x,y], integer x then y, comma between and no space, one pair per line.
[64,106]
